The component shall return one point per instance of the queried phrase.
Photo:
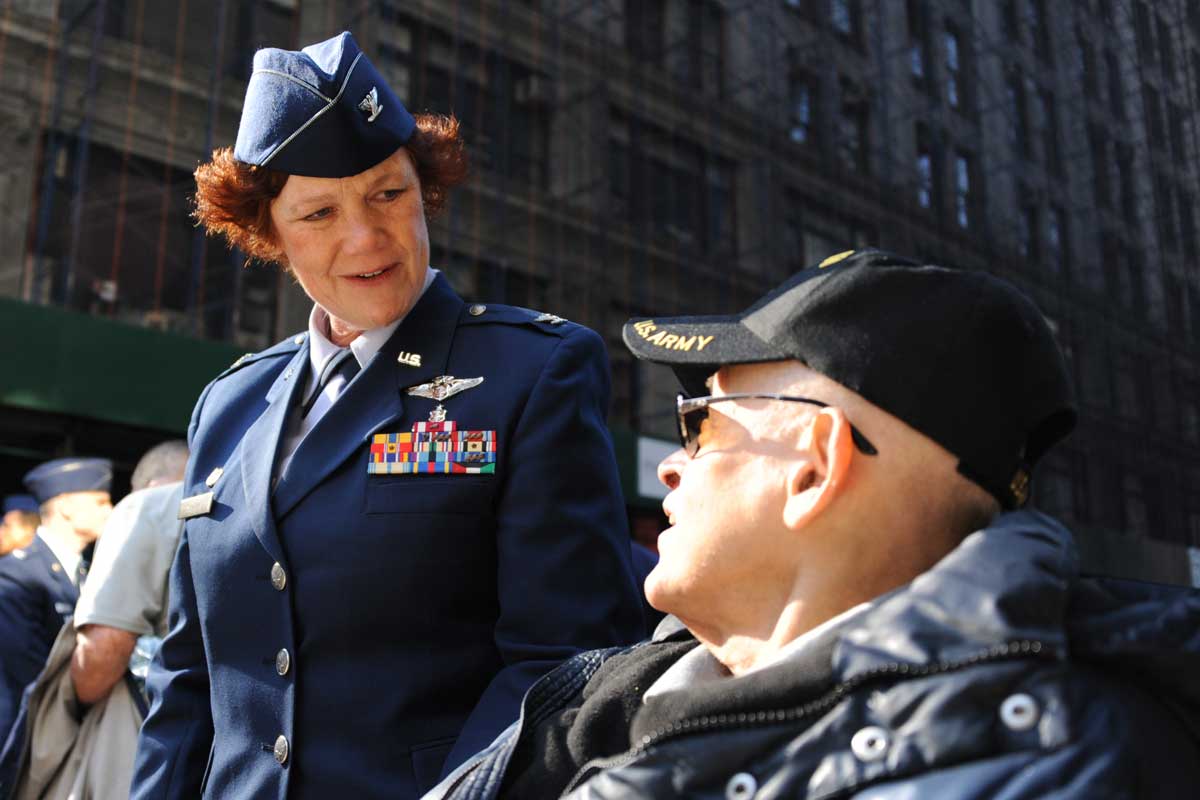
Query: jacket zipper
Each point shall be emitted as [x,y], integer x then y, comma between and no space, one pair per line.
[1019,648]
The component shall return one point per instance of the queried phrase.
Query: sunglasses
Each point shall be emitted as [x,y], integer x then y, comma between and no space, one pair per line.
[690,412]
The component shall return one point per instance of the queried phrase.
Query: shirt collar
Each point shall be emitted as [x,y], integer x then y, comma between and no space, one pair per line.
[67,558]
[698,666]
[364,348]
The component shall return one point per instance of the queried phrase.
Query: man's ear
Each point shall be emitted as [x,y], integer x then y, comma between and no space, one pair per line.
[819,475]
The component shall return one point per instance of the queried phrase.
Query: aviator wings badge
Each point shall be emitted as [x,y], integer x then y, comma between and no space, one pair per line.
[370,104]
[441,388]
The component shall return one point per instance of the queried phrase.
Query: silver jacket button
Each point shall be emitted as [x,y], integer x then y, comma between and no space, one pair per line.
[870,744]
[283,661]
[1019,712]
[278,577]
[476,309]
[280,750]
[741,786]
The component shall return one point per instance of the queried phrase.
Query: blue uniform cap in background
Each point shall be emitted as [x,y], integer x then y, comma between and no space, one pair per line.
[64,475]
[20,502]
[323,111]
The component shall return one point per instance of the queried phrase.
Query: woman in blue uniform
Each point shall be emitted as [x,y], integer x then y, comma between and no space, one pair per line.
[396,521]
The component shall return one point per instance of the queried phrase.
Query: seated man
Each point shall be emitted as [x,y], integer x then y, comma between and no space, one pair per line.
[850,615]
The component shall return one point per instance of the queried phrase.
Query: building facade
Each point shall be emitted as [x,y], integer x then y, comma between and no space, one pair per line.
[676,156]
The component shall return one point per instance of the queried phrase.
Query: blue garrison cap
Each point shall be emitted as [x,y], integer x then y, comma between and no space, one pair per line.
[64,475]
[20,502]
[323,111]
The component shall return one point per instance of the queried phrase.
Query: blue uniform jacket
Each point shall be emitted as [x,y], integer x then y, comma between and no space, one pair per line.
[36,597]
[356,635]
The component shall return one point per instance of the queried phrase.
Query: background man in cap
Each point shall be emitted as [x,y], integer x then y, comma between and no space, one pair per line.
[850,615]
[20,522]
[38,584]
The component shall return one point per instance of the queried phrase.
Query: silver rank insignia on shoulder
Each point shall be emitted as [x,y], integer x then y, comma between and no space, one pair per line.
[370,104]
[441,388]
[553,319]
[195,506]
[409,359]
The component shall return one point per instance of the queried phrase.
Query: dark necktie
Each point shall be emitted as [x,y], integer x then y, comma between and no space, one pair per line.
[344,363]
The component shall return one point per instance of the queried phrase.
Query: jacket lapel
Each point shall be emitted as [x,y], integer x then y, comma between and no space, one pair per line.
[259,446]
[375,398]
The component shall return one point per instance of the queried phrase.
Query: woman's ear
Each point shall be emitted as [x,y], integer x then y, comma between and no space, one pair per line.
[819,475]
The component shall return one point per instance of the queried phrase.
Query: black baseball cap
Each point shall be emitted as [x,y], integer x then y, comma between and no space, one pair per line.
[963,357]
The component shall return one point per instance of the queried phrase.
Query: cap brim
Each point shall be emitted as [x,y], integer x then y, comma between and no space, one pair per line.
[696,346]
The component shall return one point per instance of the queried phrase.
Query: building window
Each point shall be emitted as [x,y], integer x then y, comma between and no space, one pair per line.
[1127,176]
[1187,227]
[645,31]
[1012,20]
[953,68]
[925,168]
[804,107]
[844,17]
[703,63]
[1018,133]
[1027,231]
[1176,126]
[1039,30]
[1098,141]
[1116,92]
[1087,67]
[852,145]
[915,15]
[962,189]
[1166,50]
[1165,201]
[1143,29]
[1154,120]
[1049,121]
[1056,240]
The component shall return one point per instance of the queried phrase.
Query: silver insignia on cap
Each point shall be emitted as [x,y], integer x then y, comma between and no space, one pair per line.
[370,104]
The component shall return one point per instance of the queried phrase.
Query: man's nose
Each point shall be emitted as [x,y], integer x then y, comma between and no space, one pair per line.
[670,469]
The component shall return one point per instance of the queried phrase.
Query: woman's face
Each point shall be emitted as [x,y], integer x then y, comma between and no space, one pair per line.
[358,245]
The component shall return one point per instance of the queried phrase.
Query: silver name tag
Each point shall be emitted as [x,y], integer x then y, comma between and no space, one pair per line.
[196,506]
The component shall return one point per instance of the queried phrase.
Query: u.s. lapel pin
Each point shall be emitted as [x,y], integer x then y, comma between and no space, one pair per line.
[442,388]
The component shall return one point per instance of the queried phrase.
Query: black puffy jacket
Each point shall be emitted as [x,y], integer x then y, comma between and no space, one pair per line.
[1000,673]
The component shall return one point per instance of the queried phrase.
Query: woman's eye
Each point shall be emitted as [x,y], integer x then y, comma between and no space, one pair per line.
[319,214]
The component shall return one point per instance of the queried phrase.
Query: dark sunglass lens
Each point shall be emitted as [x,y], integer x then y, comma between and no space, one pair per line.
[691,424]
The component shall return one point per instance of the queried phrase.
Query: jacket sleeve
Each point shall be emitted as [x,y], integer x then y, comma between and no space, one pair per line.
[564,575]
[176,737]
[21,619]
[177,734]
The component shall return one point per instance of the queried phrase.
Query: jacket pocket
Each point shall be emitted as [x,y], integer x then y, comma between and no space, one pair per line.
[431,494]
[427,761]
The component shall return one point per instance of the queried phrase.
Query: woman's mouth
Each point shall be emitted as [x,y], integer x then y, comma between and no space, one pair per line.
[375,275]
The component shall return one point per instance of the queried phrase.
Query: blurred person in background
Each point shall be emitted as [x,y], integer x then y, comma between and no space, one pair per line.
[76,736]
[396,521]
[20,522]
[39,583]
[125,596]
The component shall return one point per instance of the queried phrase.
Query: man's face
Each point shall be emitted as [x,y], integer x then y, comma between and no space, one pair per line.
[87,512]
[726,503]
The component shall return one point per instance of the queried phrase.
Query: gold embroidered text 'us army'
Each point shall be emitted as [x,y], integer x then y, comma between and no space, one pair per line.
[660,337]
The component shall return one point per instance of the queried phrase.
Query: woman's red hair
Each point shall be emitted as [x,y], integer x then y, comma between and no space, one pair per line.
[234,198]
